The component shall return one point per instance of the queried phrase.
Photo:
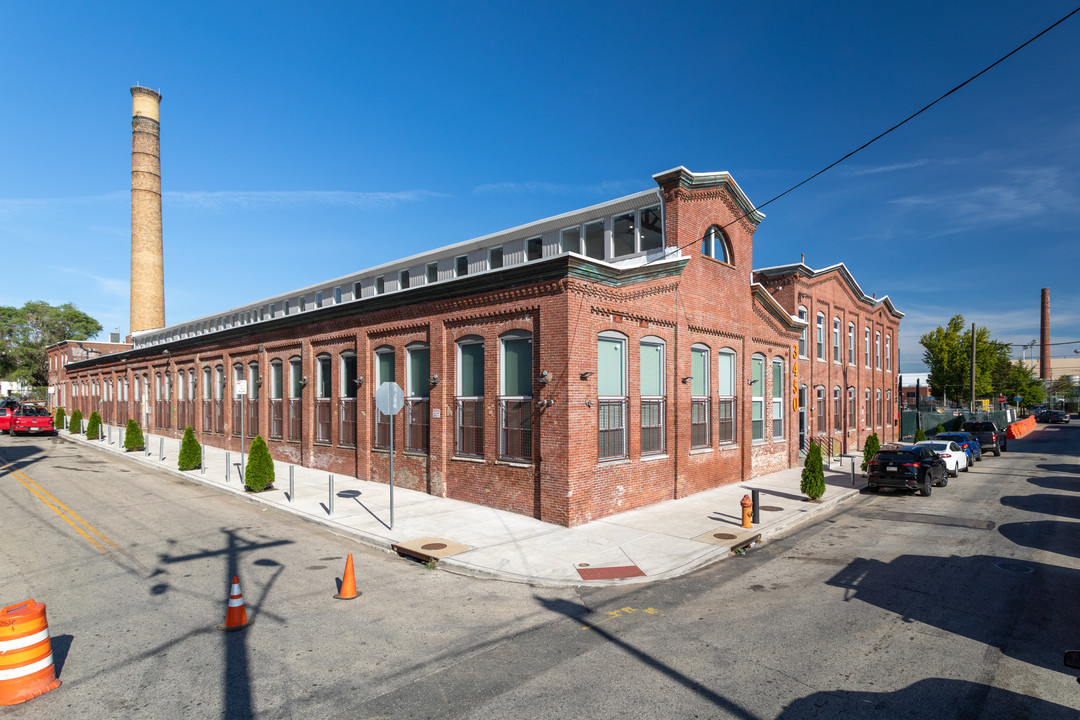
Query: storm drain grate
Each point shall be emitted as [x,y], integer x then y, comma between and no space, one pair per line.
[433,546]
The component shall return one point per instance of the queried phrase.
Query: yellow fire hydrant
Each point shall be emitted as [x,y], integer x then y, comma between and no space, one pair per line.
[747,510]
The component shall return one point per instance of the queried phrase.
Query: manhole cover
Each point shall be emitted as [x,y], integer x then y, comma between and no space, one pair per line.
[770,508]
[433,546]
[1013,567]
[724,536]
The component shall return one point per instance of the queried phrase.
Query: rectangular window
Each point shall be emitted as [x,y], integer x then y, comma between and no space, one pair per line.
[318,298]
[837,410]
[470,400]
[417,404]
[820,337]
[611,389]
[725,380]
[888,353]
[866,347]
[777,399]
[337,295]
[868,411]
[877,349]
[461,265]
[380,285]
[877,408]
[757,399]
[384,372]
[570,240]
[432,272]
[347,402]
[403,280]
[652,398]
[357,293]
[802,335]
[836,340]
[851,343]
[515,403]
[650,229]
[851,408]
[622,234]
[495,258]
[888,408]
[594,240]
[534,249]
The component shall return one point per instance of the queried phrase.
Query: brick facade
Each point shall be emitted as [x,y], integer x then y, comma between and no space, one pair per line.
[687,306]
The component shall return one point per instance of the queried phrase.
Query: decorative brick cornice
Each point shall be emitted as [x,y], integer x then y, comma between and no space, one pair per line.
[497,316]
[715,332]
[634,317]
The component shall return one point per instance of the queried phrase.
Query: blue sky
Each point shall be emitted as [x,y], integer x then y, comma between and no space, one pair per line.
[301,142]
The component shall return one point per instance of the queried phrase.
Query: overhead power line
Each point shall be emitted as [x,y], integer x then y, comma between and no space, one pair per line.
[909,118]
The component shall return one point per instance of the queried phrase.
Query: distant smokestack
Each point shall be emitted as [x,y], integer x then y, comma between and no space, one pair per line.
[147,264]
[1044,354]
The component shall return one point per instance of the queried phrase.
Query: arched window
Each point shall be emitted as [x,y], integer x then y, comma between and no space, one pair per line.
[877,408]
[820,411]
[821,336]
[469,425]
[715,245]
[888,353]
[652,388]
[294,408]
[877,349]
[417,397]
[612,402]
[866,347]
[347,379]
[836,340]
[778,397]
[728,397]
[888,408]
[868,411]
[515,395]
[851,408]
[324,390]
[700,410]
[757,398]
[851,343]
[277,396]
[802,335]
[838,408]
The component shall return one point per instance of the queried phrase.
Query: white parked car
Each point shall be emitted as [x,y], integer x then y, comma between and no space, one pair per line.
[954,456]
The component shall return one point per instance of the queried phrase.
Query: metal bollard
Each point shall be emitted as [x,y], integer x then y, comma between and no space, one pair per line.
[755,517]
[228,466]
[202,460]
[110,434]
[161,450]
[852,471]
[147,446]
[331,506]
[292,486]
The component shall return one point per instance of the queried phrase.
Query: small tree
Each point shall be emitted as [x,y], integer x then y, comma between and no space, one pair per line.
[939,429]
[920,435]
[190,452]
[58,421]
[259,473]
[869,449]
[75,423]
[93,426]
[133,437]
[813,474]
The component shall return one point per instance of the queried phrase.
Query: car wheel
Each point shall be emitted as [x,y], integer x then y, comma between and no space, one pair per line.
[924,488]
[967,467]
[951,473]
[944,480]
[873,488]
[997,451]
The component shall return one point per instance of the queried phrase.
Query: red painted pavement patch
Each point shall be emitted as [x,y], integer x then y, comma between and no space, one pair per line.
[610,573]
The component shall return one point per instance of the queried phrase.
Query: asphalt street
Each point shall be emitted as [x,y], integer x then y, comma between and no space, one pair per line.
[959,605]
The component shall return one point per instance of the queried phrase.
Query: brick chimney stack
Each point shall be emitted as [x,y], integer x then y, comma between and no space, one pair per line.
[1044,347]
[147,264]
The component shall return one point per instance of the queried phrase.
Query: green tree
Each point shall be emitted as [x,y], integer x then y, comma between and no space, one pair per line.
[947,353]
[259,473]
[920,435]
[813,474]
[939,428]
[133,437]
[190,452]
[25,333]
[872,445]
[93,426]
[58,421]
[75,422]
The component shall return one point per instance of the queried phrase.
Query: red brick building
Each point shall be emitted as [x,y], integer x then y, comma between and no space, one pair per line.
[848,355]
[581,365]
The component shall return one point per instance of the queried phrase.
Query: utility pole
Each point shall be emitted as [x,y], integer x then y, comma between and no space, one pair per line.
[972,367]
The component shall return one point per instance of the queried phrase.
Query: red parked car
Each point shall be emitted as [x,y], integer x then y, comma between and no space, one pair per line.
[32,419]
[7,412]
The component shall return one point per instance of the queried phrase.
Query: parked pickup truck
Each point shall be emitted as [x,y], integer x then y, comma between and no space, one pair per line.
[991,437]
[32,419]
[7,413]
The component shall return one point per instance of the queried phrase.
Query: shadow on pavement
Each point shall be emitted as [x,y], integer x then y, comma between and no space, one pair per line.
[934,697]
[1054,536]
[1056,483]
[983,598]
[1070,469]
[1067,506]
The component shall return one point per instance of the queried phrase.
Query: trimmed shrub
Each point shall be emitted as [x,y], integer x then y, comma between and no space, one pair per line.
[259,474]
[75,422]
[939,429]
[133,437]
[93,426]
[58,421]
[920,435]
[190,452]
[813,474]
[872,446]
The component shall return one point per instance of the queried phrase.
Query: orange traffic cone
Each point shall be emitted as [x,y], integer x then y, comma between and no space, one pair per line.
[236,616]
[26,661]
[348,582]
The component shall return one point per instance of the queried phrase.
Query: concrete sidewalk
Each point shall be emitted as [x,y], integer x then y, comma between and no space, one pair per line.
[660,541]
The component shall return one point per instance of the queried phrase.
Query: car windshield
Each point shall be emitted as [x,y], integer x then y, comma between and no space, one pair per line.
[974,426]
[938,446]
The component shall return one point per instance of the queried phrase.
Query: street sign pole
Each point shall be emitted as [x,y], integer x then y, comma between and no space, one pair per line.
[389,399]
[391,472]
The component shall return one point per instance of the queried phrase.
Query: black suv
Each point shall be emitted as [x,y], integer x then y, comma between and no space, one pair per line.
[991,437]
[913,467]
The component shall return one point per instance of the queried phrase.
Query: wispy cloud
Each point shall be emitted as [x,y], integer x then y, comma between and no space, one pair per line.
[111,286]
[889,168]
[533,187]
[297,198]
[21,206]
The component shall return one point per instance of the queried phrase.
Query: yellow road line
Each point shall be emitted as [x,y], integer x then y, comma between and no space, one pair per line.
[49,499]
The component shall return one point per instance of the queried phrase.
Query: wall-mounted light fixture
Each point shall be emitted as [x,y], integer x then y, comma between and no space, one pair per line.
[588,403]
[359,381]
[258,381]
[434,380]
[587,374]
[751,382]
[303,381]
[687,379]
[545,377]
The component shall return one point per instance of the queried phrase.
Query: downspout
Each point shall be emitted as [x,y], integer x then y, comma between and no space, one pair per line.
[675,401]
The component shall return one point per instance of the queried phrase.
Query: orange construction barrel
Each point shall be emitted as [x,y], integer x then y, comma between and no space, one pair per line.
[26,661]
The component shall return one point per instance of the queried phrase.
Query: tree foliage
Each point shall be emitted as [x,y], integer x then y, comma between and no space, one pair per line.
[58,421]
[25,333]
[920,435]
[75,421]
[133,437]
[947,353]
[813,474]
[873,444]
[259,474]
[93,426]
[190,451]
